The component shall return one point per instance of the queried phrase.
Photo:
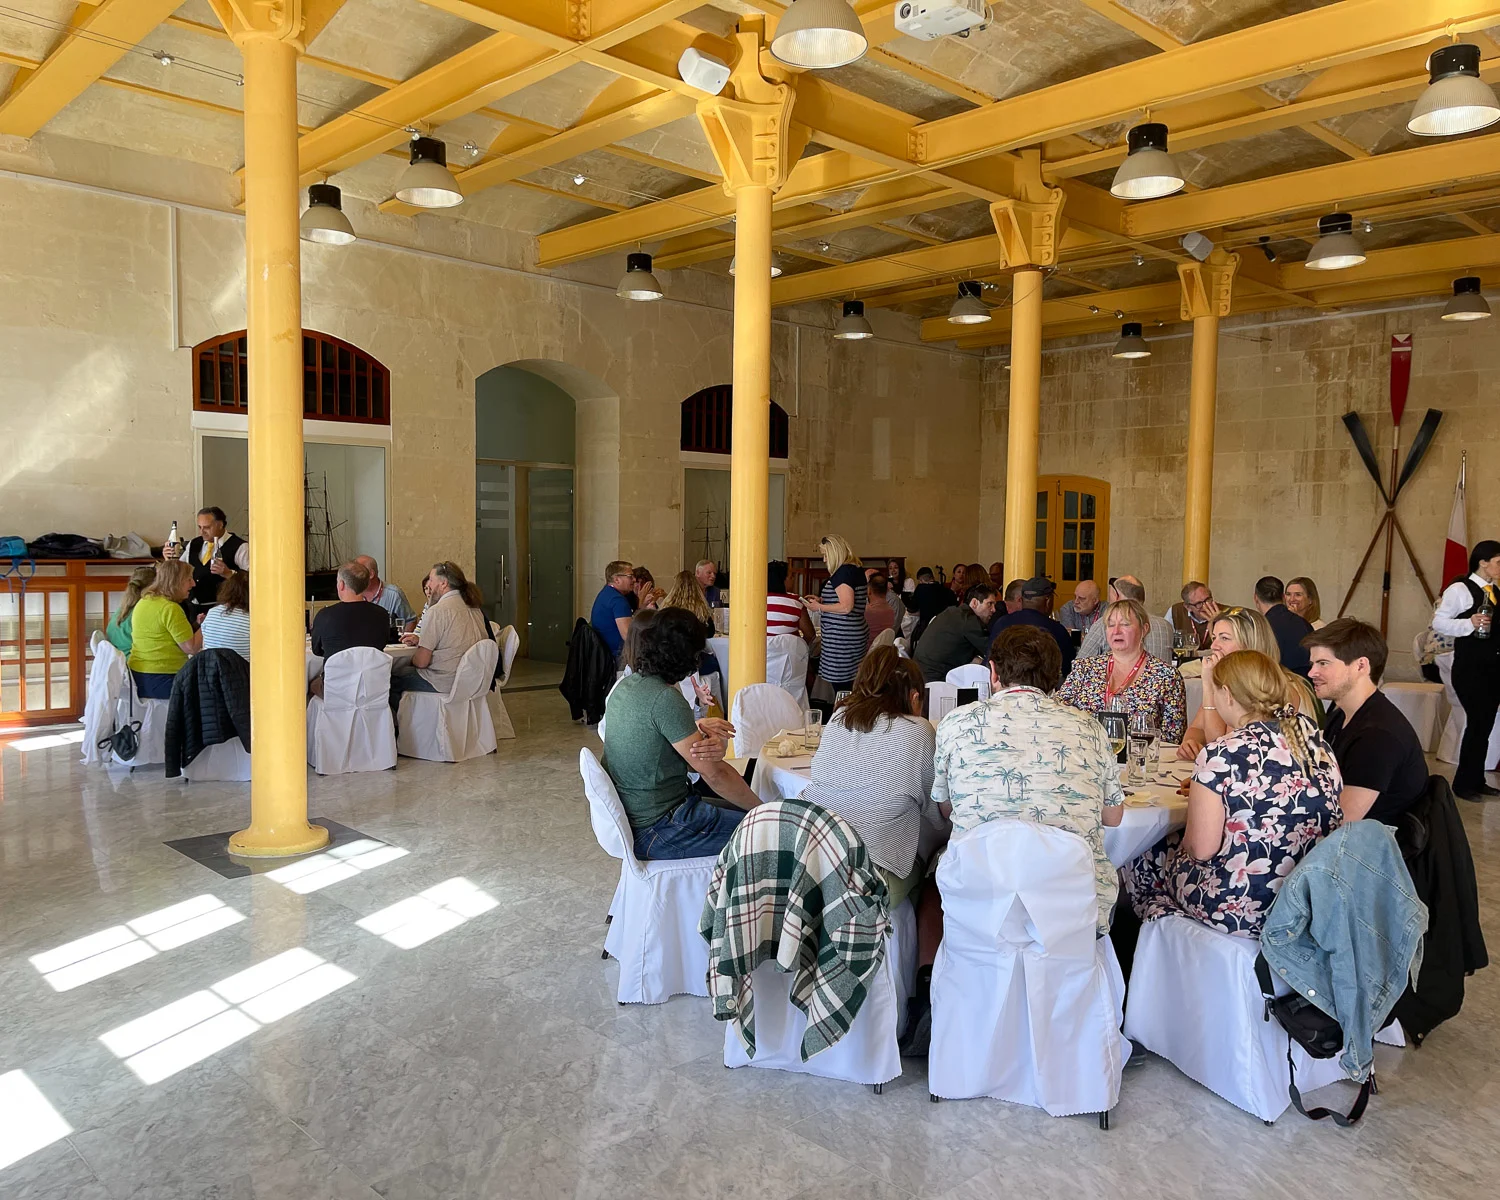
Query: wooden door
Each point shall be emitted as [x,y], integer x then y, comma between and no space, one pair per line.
[1072,532]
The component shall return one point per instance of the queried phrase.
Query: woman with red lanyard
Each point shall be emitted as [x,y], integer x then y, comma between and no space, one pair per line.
[1127,679]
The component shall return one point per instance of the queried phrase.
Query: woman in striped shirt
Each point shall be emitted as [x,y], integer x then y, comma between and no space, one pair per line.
[226,626]
[845,636]
[784,612]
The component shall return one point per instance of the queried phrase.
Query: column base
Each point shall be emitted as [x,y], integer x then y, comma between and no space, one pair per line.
[279,842]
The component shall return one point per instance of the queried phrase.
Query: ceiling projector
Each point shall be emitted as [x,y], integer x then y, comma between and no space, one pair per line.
[932,19]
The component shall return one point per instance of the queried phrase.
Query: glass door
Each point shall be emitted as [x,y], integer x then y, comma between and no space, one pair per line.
[495,540]
[1072,532]
[549,494]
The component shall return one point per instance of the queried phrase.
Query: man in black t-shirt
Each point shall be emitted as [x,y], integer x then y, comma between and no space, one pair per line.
[353,621]
[1379,756]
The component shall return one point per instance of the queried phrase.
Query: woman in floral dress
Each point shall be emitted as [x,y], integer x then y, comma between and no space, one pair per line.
[1126,678]
[1261,797]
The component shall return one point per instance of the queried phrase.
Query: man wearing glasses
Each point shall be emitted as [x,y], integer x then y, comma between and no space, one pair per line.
[611,612]
[1194,616]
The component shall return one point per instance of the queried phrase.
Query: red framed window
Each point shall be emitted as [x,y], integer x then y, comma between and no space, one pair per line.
[340,382]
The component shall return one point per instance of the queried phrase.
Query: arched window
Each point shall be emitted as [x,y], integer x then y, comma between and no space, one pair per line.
[340,382]
[707,418]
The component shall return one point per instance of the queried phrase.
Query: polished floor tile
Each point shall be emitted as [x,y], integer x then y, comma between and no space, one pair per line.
[438,1025]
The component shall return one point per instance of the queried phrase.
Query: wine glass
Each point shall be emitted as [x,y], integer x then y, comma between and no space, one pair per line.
[1115,729]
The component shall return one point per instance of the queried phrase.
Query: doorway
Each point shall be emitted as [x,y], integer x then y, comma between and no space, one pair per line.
[1072,532]
[705,516]
[524,517]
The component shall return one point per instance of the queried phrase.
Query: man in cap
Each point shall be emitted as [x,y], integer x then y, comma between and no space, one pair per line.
[1037,595]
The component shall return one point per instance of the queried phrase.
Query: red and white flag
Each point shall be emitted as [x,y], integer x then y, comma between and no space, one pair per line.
[1456,549]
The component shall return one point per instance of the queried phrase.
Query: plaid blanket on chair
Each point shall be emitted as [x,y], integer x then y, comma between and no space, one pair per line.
[796,885]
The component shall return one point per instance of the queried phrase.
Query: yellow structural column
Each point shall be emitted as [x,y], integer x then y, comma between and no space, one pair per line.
[1029,230]
[1207,294]
[267,35]
[750,132]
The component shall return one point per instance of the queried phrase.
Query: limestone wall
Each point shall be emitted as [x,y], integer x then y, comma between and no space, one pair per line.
[1290,495]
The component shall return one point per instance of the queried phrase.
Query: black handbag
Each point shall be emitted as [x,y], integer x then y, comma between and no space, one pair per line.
[1316,1032]
[125,741]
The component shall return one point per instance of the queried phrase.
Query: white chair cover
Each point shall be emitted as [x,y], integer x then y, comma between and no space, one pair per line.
[152,714]
[1026,1000]
[1453,732]
[972,675]
[760,712]
[1195,1001]
[509,642]
[942,696]
[786,665]
[227,761]
[349,726]
[457,726]
[95,638]
[867,1053]
[654,934]
[106,677]
[886,637]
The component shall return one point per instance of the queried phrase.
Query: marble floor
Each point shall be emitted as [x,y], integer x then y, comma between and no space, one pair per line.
[434,1021]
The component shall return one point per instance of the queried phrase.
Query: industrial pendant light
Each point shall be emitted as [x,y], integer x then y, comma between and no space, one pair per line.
[852,326]
[1336,247]
[1468,303]
[428,183]
[324,220]
[968,309]
[819,35]
[1148,171]
[1131,343]
[1456,100]
[638,283]
[775,266]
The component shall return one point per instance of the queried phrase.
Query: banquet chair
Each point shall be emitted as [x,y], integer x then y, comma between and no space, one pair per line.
[653,927]
[457,726]
[973,675]
[1195,1001]
[1026,998]
[106,678]
[942,698]
[95,638]
[761,711]
[509,642]
[786,665]
[867,1053]
[224,761]
[886,637]
[152,714]
[349,726]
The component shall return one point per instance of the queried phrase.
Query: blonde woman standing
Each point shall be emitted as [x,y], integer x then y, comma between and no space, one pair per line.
[844,634]
[1261,797]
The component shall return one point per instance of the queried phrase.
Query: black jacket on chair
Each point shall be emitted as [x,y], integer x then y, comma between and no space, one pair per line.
[210,704]
[589,674]
[1436,850]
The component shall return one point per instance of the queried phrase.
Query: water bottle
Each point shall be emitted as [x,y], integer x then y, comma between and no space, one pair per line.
[173,539]
[1487,611]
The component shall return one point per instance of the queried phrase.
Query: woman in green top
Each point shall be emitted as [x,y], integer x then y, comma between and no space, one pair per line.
[160,637]
[118,629]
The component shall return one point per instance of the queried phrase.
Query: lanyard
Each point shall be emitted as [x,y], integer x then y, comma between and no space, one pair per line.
[1109,692]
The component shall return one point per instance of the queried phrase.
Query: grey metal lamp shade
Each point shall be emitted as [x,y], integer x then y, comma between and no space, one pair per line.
[1468,303]
[968,309]
[324,220]
[638,282]
[775,266]
[428,183]
[1457,100]
[1336,248]
[1148,171]
[852,326]
[819,35]
[1131,343]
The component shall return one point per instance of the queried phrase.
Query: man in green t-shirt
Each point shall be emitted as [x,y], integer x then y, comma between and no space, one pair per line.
[651,741]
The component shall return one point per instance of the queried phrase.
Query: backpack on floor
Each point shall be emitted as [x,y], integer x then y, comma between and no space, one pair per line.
[1316,1032]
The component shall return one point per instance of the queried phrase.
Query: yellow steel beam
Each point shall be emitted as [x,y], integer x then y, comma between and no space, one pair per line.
[1131,301]
[315,17]
[1111,10]
[955,259]
[1323,37]
[1451,258]
[90,48]
[1337,140]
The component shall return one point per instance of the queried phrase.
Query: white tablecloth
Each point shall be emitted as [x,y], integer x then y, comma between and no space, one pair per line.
[1151,811]
[1422,705]
[400,652]
[1194,689]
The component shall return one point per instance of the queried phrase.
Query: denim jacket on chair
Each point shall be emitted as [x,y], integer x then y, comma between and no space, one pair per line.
[1346,933]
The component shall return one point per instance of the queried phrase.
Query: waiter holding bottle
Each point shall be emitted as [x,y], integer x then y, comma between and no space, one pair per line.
[1466,614]
[213,554]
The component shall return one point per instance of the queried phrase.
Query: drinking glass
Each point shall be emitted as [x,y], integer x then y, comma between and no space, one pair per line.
[812,730]
[1115,729]
[839,698]
[1145,731]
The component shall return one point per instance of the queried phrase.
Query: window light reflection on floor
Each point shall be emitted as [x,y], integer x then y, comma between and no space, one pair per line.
[428,914]
[189,1030]
[110,950]
[342,862]
[45,741]
[28,1123]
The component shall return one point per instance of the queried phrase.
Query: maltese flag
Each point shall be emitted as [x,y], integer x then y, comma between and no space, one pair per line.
[1456,550]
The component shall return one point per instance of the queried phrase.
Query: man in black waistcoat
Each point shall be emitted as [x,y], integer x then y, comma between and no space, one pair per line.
[1464,615]
[213,554]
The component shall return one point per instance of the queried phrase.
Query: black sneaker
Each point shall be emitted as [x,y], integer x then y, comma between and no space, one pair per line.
[1480,794]
[918,1036]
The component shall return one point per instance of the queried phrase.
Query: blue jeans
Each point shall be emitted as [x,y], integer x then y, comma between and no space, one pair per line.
[694,829]
[404,678]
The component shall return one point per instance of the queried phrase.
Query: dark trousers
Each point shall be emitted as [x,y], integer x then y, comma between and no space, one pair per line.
[1478,687]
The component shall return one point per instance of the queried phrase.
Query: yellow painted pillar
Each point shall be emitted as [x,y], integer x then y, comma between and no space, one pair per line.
[1207,294]
[278,674]
[1025,424]
[750,462]
[749,129]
